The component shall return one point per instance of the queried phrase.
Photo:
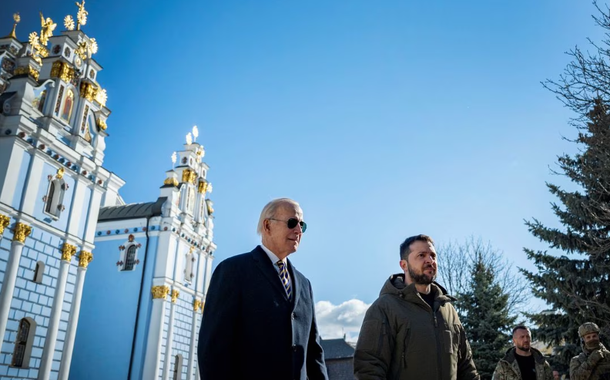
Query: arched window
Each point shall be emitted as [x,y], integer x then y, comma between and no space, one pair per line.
[178,367]
[189,273]
[39,272]
[50,195]
[130,257]
[23,343]
[55,195]
[68,105]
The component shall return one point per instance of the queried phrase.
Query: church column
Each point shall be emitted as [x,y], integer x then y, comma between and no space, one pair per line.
[66,359]
[22,231]
[58,300]
[155,333]
[170,336]
[193,348]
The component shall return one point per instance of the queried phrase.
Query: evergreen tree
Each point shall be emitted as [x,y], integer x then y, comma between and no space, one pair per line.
[576,286]
[486,317]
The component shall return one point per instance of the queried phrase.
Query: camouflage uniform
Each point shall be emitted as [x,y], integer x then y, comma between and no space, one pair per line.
[592,364]
[508,368]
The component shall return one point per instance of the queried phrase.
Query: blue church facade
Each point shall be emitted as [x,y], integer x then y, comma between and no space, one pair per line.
[133,312]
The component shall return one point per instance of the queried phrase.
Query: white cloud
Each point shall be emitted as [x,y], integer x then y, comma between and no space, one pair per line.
[336,320]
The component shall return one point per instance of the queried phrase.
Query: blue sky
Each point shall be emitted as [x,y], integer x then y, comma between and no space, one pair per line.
[384,119]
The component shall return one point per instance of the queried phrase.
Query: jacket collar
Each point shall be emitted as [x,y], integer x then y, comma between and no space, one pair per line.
[265,265]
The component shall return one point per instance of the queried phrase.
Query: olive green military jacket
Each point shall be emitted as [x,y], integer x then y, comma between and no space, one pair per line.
[585,367]
[508,368]
[403,338]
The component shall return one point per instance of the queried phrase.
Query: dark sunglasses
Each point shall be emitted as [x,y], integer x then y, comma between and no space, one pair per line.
[292,223]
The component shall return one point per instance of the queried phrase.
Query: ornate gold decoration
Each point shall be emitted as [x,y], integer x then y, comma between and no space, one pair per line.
[22,231]
[48,26]
[101,124]
[4,221]
[63,71]
[175,295]
[60,173]
[189,138]
[67,252]
[17,19]
[88,91]
[203,186]
[210,205]
[81,15]
[173,159]
[195,132]
[200,153]
[69,22]
[197,305]
[29,70]
[39,51]
[87,48]
[189,176]
[171,181]
[101,97]
[160,292]
[84,259]
[209,190]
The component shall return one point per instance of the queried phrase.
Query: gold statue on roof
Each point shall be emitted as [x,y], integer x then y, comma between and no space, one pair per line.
[48,26]
[81,15]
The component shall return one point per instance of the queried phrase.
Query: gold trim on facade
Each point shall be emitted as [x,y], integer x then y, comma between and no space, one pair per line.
[101,124]
[197,305]
[203,186]
[22,231]
[189,176]
[60,173]
[160,292]
[67,252]
[171,181]
[4,222]
[175,295]
[63,71]
[84,259]
[88,91]
[29,70]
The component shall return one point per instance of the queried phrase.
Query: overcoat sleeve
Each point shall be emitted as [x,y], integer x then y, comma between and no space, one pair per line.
[316,367]
[216,352]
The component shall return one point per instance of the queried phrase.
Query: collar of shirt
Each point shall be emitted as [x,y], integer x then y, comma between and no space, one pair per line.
[274,259]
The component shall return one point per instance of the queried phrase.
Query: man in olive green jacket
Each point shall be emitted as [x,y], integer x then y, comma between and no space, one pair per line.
[412,331]
[594,361]
[522,361]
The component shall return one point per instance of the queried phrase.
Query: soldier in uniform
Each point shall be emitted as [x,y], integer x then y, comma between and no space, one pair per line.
[594,362]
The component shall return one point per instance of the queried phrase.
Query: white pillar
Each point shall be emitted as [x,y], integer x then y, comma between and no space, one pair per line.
[193,347]
[155,333]
[48,351]
[170,336]
[66,359]
[22,231]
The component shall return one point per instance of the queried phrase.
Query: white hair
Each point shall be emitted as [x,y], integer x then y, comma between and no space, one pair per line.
[271,208]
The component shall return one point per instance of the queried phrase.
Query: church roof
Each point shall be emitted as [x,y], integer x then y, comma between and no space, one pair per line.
[337,349]
[132,211]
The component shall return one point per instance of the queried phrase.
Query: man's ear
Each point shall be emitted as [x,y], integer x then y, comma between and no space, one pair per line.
[403,264]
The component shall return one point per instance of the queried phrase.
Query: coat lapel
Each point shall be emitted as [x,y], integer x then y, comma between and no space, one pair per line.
[266,267]
[296,283]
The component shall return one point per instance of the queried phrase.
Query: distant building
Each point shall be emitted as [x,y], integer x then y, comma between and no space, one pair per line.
[339,356]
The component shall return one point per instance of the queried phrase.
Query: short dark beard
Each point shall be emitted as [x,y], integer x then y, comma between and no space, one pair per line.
[524,349]
[420,279]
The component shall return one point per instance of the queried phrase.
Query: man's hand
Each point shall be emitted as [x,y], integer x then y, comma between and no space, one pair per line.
[596,356]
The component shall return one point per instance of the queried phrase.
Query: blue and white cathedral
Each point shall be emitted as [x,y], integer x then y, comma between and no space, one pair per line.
[90,287]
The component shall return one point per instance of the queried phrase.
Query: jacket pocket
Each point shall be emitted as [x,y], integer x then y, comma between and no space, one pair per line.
[451,339]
